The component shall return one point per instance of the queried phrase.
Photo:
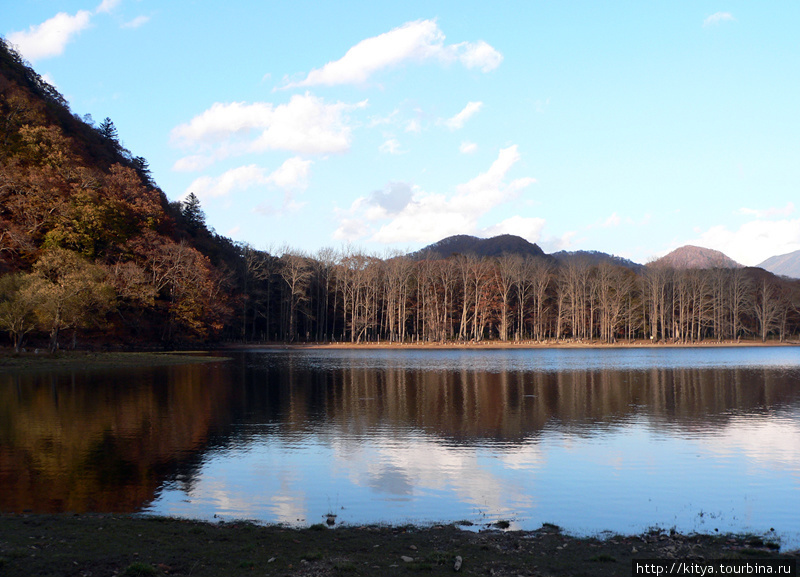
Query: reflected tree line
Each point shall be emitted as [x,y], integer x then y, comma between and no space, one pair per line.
[351,296]
[511,406]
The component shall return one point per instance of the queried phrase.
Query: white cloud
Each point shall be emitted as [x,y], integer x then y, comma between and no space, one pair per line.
[391,146]
[51,37]
[417,41]
[754,241]
[106,6]
[467,147]
[306,124]
[292,175]
[718,17]
[430,216]
[459,119]
[136,22]
[192,163]
[221,121]
[478,55]
[771,212]
[240,178]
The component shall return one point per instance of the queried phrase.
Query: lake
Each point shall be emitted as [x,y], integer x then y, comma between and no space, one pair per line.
[593,440]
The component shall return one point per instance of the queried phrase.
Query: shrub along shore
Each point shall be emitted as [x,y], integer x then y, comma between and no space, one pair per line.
[126,545]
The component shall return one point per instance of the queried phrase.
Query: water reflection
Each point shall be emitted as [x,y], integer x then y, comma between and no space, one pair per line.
[420,436]
[474,406]
[102,441]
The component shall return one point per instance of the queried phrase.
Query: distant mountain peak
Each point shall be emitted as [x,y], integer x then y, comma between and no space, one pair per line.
[783,264]
[690,256]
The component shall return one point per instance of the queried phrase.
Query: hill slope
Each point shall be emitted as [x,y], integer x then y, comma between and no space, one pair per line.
[90,241]
[784,264]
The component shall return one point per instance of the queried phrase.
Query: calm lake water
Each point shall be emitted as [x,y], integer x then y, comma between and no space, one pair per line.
[592,440]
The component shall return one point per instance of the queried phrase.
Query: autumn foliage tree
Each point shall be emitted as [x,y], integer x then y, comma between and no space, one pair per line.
[88,237]
[17,307]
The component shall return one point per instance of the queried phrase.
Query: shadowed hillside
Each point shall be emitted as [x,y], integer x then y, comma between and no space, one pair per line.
[595,258]
[481,247]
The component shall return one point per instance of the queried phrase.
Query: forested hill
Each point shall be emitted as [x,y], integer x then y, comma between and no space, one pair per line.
[595,258]
[87,241]
[481,247]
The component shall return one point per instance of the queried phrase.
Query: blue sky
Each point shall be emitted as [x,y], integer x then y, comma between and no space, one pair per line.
[629,127]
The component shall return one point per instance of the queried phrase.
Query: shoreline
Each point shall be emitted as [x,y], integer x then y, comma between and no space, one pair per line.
[89,359]
[499,345]
[134,544]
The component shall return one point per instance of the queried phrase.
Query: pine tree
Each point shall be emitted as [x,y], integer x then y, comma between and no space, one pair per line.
[193,212]
[108,130]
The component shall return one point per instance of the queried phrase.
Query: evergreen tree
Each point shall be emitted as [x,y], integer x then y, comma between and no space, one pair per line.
[143,168]
[108,130]
[193,212]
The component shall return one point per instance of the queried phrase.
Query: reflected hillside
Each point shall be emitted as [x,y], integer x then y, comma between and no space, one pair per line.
[509,406]
[91,441]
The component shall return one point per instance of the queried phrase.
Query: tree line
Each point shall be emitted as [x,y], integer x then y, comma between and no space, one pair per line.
[352,296]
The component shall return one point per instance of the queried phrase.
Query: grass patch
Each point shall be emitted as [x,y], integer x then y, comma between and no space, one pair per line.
[139,570]
[603,558]
[313,556]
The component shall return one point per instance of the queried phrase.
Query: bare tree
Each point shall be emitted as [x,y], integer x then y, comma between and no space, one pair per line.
[296,273]
[256,269]
[506,272]
[324,269]
[398,274]
[767,306]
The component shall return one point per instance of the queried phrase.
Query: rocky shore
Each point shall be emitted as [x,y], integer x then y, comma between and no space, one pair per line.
[93,545]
